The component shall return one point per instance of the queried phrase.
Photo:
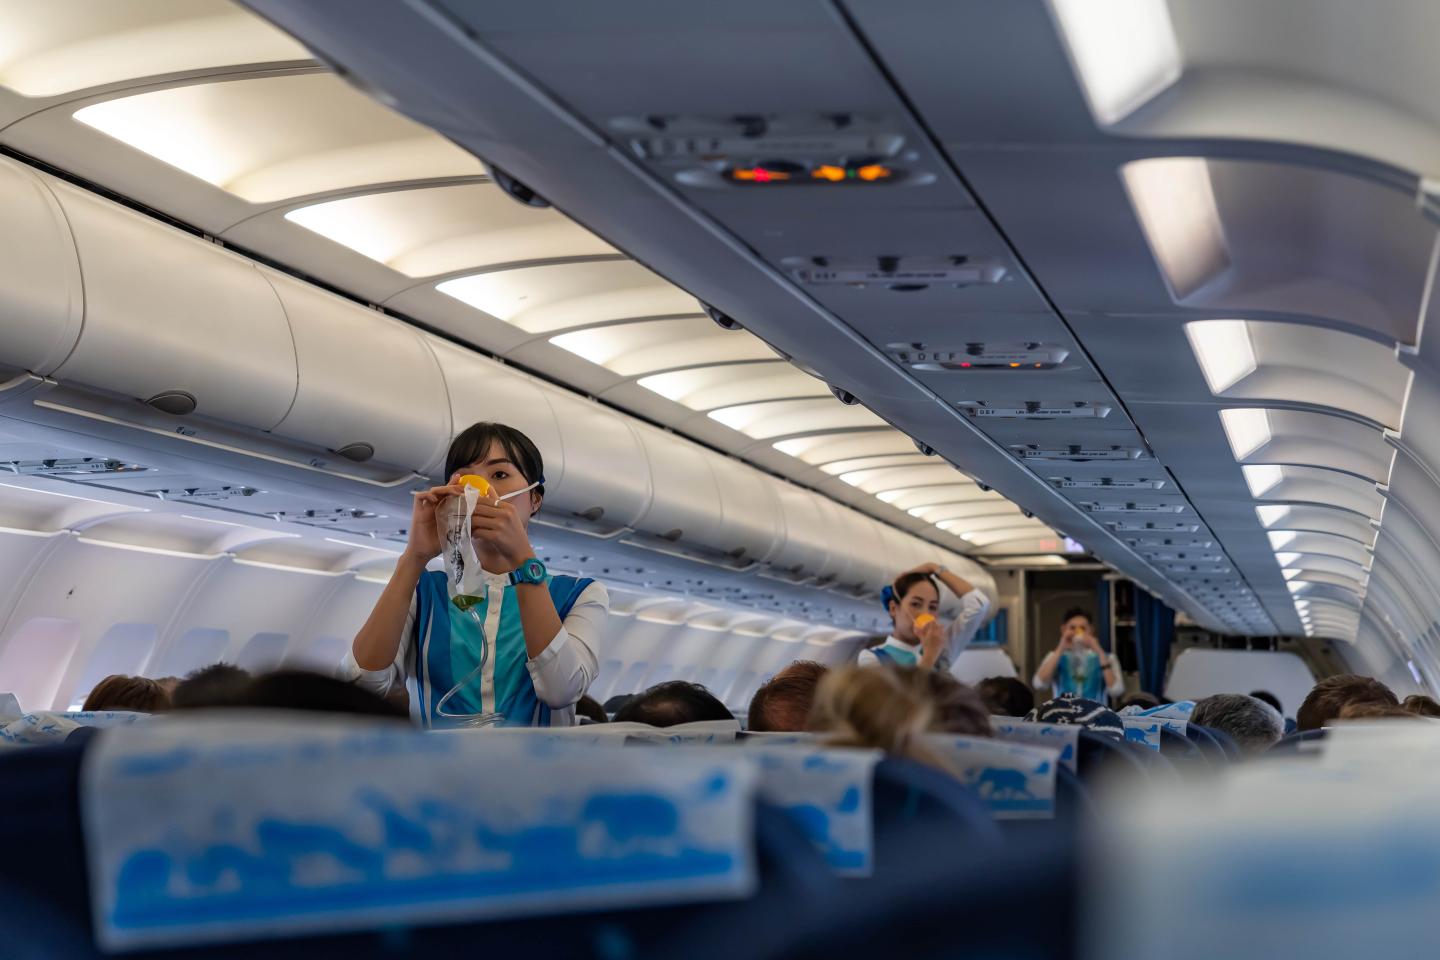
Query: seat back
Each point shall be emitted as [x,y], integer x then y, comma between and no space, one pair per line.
[1016,780]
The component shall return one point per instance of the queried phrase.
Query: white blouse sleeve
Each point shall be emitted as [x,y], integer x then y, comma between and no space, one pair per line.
[386,679]
[867,658]
[565,669]
[973,607]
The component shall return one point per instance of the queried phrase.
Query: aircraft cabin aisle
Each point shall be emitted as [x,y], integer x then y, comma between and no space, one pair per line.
[895,365]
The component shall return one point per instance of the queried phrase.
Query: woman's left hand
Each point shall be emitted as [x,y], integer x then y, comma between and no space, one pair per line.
[499,524]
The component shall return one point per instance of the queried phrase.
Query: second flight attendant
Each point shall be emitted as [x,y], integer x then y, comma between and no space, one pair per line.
[917,637]
[520,646]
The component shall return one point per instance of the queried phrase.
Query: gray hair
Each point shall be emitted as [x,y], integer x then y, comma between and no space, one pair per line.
[1251,723]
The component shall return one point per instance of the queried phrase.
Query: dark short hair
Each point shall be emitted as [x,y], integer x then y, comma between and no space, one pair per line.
[475,441]
[907,581]
[673,702]
[304,690]
[1265,696]
[1074,612]
[1333,694]
[589,708]
[1140,698]
[1421,705]
[218,685]
[1006,696]
[119,692]
[783,702]
[613,704]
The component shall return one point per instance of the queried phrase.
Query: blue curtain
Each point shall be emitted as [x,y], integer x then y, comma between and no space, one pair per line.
[1154,635]
[1102,613]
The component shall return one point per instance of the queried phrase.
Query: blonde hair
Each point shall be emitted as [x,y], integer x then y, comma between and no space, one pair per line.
[893,708]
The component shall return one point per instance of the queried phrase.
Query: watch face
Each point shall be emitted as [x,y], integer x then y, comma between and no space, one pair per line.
[533,571]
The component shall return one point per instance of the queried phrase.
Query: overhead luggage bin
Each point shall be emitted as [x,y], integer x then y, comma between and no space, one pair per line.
[606,485]
[1309,439]
[384,403]
[683,507]
[41,302]
[1300,363]
[804,551]
[751,523]
[482,390]
[202,330]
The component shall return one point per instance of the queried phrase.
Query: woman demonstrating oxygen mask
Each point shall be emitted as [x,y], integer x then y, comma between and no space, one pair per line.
[491,635]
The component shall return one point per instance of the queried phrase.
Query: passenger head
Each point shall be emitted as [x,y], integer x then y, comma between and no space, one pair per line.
[218,685]
[502,455]
[1006,696]
[589,708]
[303,690]
[1141,699]
[168,684]
[1332,694]
[614,704]
[1253,724]
[671,703]
[1068,708]
[913,594]
[893,709]
[118,692]
[783,702]
[1076,624]
[1421,706]
[958,708]
[1265,696]
[1372,710]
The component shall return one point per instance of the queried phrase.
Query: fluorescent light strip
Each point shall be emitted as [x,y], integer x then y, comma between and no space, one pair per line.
[1247,429]
[1262,478]
[1175,204]
[1224,351]
[1123,51]
[362,546]
[72,496]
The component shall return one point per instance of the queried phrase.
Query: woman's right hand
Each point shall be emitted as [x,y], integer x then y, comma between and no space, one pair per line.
[426,525]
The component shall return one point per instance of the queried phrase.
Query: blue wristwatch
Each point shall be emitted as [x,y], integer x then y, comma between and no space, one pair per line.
[531,571]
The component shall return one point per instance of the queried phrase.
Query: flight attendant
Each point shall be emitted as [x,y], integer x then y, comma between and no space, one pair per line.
[917,636]
[519,646]
[1079,665]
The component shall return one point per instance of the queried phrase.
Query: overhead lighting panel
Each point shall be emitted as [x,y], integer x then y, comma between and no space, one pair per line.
[1224,350]
[1247,429]
[1124,52]
[1262,477]
[763,421]
[1175,203]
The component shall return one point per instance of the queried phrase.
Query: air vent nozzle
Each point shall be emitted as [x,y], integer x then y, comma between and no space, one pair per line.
[722,319]
[516,190]
[177,403]
[592,515]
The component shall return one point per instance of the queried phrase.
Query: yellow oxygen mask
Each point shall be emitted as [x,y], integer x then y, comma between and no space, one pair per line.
[478,482]
[923,621]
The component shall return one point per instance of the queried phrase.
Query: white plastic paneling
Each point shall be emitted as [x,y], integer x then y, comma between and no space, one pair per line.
[364,379]
[605,468]
[684,506]
[40,296]
[483,390]
[748,507]
[870,565]
[184,314]
[805,548]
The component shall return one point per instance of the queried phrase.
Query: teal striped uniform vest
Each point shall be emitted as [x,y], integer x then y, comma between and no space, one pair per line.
[446,648]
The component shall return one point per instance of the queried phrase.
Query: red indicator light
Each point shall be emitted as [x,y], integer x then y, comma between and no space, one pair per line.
[965,364]
[758,174]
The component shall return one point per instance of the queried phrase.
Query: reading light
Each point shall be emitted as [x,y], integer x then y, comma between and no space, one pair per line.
[1173,198]
[1247,429]
[1262,477]
[1124,51]
[1224,351]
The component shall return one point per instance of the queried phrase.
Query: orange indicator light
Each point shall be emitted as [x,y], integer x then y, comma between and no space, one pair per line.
[873,171]
[828,171]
